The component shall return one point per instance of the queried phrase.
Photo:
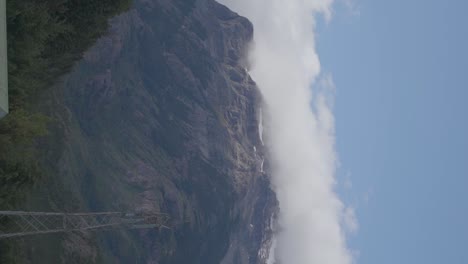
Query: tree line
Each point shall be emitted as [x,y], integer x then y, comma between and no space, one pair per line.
[45,39]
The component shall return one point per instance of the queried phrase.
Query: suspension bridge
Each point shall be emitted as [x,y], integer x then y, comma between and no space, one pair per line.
[20,223]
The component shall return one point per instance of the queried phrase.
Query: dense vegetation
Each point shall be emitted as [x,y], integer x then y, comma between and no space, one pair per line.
[45,38]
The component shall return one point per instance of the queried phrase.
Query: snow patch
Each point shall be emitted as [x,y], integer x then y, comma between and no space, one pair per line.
[268,248]
[271,254]
[260,126]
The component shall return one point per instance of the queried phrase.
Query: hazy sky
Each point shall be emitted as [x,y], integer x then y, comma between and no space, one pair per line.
[400,70]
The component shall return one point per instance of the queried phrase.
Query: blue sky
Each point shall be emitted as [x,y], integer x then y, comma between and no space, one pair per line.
[400,68]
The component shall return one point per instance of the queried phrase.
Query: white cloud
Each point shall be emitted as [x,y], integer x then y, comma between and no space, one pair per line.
[347,183]
[352,7]
[350,221]
[301,137]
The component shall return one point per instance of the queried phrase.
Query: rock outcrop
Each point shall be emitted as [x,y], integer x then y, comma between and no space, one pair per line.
[162,115]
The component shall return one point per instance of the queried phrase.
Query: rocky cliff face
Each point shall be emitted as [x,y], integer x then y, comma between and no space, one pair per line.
[161,115]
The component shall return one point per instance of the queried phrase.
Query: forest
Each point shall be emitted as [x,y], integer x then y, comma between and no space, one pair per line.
[45,39]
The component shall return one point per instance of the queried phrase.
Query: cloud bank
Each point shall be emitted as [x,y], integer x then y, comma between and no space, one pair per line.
[300,130]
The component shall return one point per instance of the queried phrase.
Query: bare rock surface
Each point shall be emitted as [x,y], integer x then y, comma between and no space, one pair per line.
[161,115]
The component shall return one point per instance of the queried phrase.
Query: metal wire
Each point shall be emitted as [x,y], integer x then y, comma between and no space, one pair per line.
[20,223]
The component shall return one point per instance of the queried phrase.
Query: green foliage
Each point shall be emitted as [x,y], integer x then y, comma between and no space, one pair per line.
[18,164]
[45,38]
[19,129]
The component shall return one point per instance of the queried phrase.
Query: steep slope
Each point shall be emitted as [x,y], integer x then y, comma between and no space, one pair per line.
[161,115]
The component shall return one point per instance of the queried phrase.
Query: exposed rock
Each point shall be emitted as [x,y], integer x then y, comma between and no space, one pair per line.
[162,116]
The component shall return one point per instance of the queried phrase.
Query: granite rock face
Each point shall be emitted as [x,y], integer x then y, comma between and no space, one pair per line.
[162,115]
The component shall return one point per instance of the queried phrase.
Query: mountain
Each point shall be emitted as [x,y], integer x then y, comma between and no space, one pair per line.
[160,115]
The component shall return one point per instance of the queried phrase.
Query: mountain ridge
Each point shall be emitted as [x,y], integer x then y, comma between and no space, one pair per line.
[162,115]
